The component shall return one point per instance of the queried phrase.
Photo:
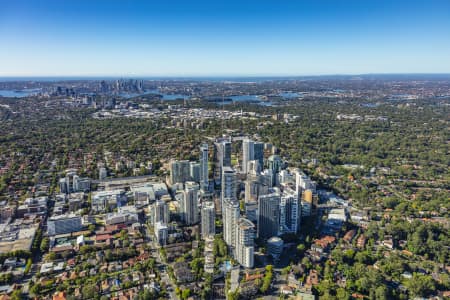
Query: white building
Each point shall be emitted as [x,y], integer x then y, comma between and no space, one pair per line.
[247,153]
[245,235]
[231,214]
[337,214]
[124,215]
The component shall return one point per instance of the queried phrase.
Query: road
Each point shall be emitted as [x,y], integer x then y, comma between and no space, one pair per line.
[162,266]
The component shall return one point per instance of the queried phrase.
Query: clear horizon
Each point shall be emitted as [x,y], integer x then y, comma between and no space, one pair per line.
[223,39]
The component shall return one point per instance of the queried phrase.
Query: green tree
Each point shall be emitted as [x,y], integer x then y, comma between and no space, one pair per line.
[89,291]
[185,294]
[420,285]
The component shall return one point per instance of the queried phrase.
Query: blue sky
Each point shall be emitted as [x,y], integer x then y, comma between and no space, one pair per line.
[200,38]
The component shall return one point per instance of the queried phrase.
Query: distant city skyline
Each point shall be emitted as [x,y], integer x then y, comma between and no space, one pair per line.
[223,39]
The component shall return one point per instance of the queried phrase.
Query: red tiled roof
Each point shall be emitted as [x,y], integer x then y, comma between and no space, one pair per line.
[59,296]
[103,237]
[325,241]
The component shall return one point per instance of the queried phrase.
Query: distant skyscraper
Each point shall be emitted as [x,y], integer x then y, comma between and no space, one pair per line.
[189,206]
[160,212]
[231,215]
[179,171]
[290,212]
[245,235]
[204,180]
[269,215]
[229,184]
[208,214]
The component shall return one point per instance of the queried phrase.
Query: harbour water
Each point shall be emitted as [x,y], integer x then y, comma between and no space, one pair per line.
[18,93]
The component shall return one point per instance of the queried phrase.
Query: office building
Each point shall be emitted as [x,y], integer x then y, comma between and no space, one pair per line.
[63,186]
[223,152]
[208,215]
[222,148]
[194,171]
[290,212]
[253,168]
[275,247]
[191,185]
[311,197]
[275,163]
[179,171]
[252,187]
[108,200]
[229,184]
[81,184]
[258,153]
[245,235]
[161,233]
[284,177]
[303,182]
[247,153]
[251,210]
[63,224]
[269,215]
[33,206]
[252,151]
[268,178]
[160,212]
[189,206]
[125,215]
[70,174]
[306,209]
[204,179]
